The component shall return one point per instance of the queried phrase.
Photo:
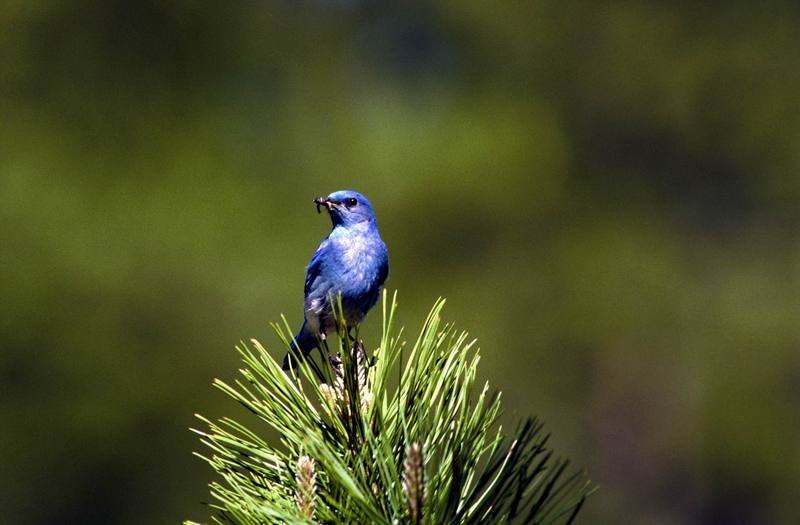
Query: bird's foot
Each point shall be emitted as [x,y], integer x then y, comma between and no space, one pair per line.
[335,361]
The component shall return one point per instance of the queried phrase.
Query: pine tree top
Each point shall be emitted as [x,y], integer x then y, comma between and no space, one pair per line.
[398,436]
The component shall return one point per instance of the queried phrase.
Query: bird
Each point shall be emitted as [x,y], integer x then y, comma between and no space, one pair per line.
[352,261]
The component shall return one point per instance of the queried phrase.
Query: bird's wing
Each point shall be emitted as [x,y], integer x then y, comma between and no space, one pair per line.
[383,271]
[314,267]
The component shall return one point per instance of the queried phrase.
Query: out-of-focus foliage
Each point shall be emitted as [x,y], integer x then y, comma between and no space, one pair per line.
[607,194]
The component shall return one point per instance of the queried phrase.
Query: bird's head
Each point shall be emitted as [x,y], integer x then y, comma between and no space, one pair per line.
[347,208]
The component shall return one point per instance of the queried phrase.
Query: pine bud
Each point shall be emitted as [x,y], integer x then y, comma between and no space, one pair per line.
[306,486]
[414,482]
[329,395]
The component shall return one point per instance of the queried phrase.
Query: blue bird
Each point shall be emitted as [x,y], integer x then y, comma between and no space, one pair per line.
[351,260]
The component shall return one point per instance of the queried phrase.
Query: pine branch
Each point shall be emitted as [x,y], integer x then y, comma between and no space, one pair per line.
[383,439]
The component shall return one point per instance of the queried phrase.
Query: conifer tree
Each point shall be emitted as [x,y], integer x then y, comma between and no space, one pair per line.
[398,435]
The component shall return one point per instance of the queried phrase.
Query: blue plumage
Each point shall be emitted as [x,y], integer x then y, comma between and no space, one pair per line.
[351,260]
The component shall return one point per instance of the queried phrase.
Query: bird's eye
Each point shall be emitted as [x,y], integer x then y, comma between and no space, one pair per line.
[350,202]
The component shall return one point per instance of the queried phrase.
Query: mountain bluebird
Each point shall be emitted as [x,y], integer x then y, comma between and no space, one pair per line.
[351,260]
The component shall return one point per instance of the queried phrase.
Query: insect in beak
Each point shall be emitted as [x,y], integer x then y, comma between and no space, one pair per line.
[323,201]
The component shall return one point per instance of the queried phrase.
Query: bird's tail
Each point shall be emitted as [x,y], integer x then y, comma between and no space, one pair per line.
[306,342]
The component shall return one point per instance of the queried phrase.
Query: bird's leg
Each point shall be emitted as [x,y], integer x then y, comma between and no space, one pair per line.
[334,361]
[324,339]
[315,367]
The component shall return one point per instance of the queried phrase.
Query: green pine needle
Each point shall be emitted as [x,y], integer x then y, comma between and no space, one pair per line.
[386,439]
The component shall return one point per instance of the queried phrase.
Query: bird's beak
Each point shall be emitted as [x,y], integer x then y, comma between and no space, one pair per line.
[323,201]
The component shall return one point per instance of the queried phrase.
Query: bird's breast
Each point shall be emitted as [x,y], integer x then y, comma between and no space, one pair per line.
[358,260]
[355,266]
[357,254]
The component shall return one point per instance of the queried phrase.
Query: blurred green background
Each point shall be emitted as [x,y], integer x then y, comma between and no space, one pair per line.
[607,194]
